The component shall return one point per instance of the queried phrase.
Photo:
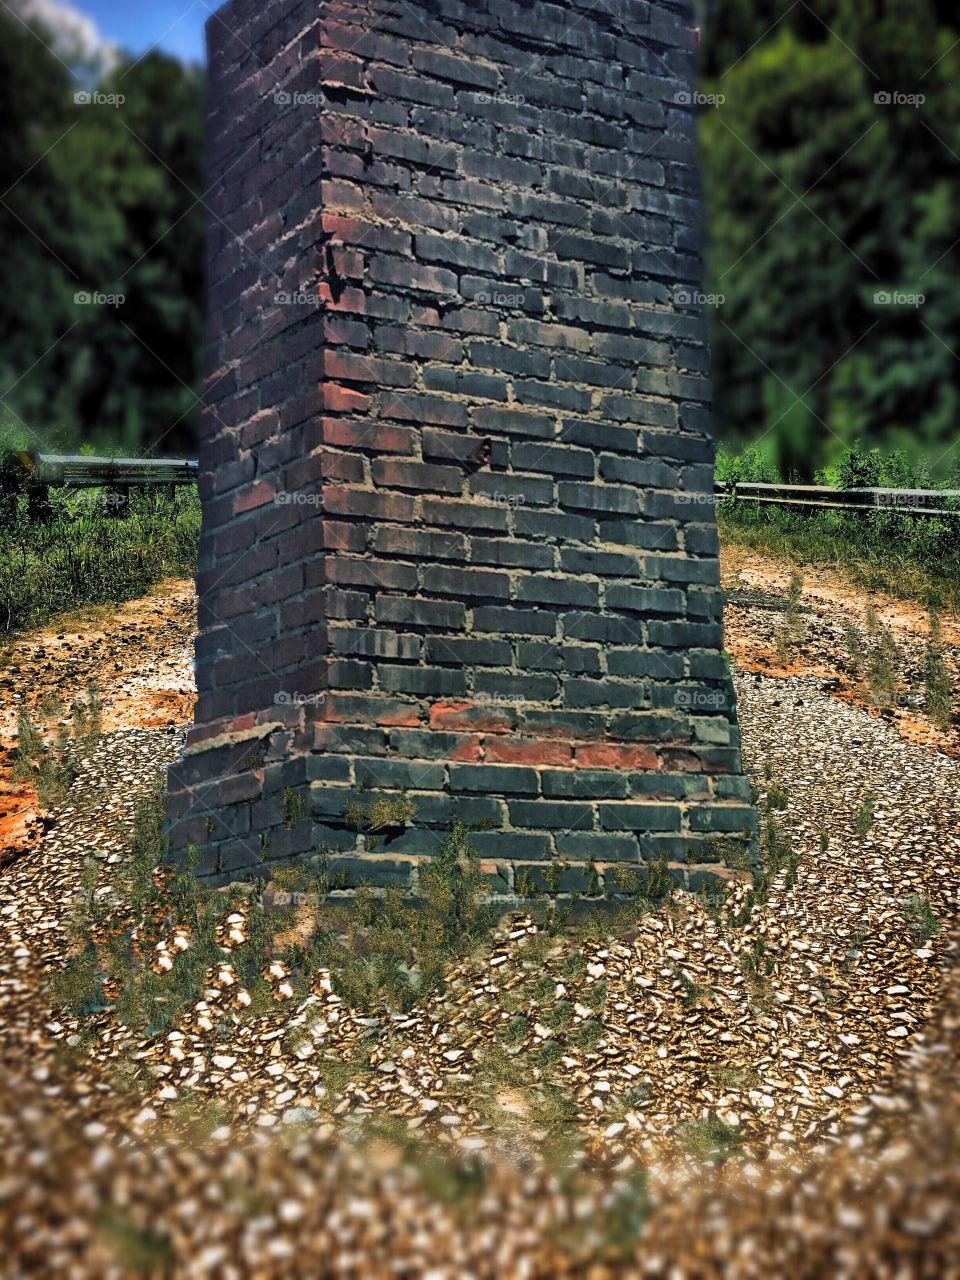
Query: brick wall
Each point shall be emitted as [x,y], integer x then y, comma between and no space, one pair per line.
[457,460]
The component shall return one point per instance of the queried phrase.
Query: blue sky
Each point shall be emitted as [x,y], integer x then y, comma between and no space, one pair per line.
[176,26]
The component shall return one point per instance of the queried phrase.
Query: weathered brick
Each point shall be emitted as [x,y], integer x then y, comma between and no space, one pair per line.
[421,613]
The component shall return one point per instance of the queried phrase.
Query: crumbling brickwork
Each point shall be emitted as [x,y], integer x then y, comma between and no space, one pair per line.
[458,533]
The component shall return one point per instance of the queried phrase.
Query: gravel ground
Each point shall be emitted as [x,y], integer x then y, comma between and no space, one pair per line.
[671,1027]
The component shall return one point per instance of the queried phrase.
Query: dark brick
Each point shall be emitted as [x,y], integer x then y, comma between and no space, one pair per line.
[452,651]
[598,497]
[522,622]
[589,784]
[560,591]
[516,688]
[537,656]
[429,681]
[421,613]
[496,779]
[549,815]
[451,581]
[639,817]
[407,775]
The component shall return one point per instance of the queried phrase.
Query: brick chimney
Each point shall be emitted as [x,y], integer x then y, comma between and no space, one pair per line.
[459,540]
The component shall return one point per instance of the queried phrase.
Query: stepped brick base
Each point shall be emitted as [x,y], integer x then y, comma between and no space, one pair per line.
[456,467]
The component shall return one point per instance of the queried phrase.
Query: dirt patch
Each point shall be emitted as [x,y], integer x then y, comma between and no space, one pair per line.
[137,654]
[756,587]
[138,657]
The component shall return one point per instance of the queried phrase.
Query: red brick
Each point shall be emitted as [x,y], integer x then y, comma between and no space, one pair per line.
[609,756]
[377,436]
[469,716]
[527,751]
[344,399]
[258,495]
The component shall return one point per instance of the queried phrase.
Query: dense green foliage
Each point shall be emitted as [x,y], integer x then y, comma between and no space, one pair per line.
[819,199]
[87,555]
[99,199]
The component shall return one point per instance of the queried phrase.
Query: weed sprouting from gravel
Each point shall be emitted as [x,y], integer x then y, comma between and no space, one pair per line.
[294,808]
[659,882]
[883,661]
[777,797]
[382,813]
[874,658]
[856,652]
[863,818]
[936,678]
[47,757]
[138,1249]
[710,1139]
[790,633]
[757,964]
[735,1077]
[920,917]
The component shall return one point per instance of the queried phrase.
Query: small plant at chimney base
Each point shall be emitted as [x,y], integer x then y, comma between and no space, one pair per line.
[293,808]
[382,813]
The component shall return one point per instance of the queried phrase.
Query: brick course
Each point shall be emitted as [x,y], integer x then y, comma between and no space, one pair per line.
[456,460]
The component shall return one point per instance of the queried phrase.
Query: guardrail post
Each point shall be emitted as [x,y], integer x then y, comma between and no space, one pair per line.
[39,510]
[118,501]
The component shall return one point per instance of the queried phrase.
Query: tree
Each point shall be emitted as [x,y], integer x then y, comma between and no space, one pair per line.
[103,200]
[830,214]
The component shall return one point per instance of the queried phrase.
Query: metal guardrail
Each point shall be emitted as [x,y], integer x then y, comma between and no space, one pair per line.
[913,502]
[80,471]
[35,474]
